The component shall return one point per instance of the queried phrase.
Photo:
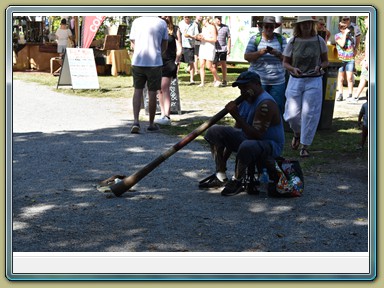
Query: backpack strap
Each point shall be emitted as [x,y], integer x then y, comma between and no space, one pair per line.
[278,36]
[280,39]
[257,39]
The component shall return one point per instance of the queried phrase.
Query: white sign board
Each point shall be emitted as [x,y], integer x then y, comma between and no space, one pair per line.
[79,69]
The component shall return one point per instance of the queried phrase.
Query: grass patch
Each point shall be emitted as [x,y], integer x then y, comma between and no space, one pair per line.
[110,87]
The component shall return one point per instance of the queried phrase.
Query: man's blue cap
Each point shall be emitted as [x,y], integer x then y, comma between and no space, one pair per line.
[246,77]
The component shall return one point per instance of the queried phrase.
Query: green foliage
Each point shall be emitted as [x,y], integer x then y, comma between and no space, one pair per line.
[54,22]
[360,23]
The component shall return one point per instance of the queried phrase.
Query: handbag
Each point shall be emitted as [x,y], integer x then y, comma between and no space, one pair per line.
[70,43]
[291,178]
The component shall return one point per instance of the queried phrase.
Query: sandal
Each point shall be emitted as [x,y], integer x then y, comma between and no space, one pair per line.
[304,152]
[295,142]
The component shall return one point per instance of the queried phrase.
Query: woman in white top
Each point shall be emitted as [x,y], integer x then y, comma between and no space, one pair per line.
[62,35]
[207,51]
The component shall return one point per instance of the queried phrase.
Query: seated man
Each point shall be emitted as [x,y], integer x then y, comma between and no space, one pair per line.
[257,138]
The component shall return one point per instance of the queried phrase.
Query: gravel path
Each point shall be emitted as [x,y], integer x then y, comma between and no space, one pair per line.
[63,145]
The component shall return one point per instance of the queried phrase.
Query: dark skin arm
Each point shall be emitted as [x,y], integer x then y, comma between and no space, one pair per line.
[266,115]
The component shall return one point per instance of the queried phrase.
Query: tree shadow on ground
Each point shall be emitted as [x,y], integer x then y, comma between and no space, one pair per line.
[56,207]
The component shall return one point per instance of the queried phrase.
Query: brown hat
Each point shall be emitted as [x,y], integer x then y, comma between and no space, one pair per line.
[271,20]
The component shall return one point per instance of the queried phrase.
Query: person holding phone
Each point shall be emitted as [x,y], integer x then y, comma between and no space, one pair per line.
[264,54]
[347,42]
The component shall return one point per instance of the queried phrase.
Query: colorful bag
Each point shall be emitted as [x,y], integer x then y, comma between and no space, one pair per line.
[291,178]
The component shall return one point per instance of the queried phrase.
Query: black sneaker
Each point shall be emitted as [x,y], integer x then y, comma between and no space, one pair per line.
[233,187]
[340,98]
[212,182]
[251,187]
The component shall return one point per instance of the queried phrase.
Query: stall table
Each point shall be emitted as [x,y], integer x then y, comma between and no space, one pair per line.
[34,56]
[119,61]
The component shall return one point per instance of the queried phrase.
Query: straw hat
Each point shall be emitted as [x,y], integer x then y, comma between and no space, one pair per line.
[301,19]
[270,20]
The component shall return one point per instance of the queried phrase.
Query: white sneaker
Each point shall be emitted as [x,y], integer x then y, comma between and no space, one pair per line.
[217,84]
[163,121]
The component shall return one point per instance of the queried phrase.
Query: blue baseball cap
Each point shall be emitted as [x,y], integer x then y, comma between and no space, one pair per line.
[246,77]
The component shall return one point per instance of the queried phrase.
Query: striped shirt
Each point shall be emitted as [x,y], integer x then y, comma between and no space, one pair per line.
[222,38]
[269,67]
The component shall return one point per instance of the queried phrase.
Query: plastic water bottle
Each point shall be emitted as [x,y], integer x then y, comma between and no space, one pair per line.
[264,183]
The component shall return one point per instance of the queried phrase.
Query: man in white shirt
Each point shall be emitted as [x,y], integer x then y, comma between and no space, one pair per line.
[149,39]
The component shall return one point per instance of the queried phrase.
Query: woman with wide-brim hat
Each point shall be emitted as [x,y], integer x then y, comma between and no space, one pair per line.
[305,57]
[264,53]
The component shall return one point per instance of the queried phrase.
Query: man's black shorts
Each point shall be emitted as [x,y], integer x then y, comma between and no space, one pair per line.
[189,56]
[220,56]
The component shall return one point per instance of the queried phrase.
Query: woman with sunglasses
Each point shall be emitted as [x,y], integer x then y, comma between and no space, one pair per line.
[322,30]
[264,54]
[305,57]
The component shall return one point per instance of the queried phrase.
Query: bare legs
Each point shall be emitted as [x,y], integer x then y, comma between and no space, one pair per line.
[208,64]
[360,88]
[196,64]
[223,65]
[136,103]
[340,80]
[191,72]
[165,96]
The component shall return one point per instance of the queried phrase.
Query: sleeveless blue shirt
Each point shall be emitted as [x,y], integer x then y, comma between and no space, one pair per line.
[274,134]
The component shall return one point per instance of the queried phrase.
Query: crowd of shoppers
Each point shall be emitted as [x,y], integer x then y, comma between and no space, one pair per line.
[290,72]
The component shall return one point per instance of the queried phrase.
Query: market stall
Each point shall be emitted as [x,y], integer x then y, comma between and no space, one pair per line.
[32,49]
[35,47]
[34,43]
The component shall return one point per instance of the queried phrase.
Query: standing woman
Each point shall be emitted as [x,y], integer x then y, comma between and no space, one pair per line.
[171,59]
[207,50]
[62,36]
[305,57]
